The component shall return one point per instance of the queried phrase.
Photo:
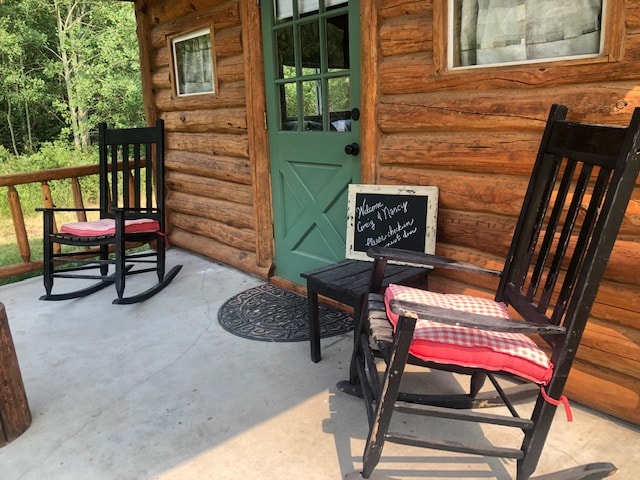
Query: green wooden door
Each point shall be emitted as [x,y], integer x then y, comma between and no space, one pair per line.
[312,65]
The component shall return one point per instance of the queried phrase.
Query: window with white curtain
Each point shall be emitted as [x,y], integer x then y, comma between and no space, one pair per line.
[490,32]
[193,63]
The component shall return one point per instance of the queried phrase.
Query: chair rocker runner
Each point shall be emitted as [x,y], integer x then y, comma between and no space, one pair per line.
[575,203]
[131,212]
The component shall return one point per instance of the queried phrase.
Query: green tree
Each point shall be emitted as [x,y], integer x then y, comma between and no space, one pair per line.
[26,89]
[65,65]
[98,55]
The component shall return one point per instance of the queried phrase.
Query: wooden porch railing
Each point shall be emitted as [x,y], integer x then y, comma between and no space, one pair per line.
[43,177]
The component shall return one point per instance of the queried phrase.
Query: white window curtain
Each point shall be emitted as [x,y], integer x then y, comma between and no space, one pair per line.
[194,64]
[498,31]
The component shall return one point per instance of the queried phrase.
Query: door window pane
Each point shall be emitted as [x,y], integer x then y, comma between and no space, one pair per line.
[488,32]
[289,106]
[312,60]
[310,44]
[312,105]
[286,53]
[339,104]
[338,42]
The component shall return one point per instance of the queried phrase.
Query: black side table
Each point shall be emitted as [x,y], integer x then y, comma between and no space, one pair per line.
[345,282]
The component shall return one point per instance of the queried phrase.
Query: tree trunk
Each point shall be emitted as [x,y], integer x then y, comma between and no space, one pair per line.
[27,120]
[10,124]
[71,63]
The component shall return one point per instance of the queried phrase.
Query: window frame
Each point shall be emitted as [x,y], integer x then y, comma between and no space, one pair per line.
[611,42]
[174,74]
[300,76]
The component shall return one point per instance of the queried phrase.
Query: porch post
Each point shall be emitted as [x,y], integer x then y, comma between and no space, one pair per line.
[15,416]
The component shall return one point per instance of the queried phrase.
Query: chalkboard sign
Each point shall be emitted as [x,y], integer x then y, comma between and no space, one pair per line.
[391,216]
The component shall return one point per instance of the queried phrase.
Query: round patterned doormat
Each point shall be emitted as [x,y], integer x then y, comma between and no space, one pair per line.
[272,314]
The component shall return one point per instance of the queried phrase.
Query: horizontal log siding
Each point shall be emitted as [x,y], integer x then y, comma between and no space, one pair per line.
[209,167]
[474,134]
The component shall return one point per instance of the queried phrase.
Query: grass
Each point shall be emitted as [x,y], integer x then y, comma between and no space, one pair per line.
[9,252]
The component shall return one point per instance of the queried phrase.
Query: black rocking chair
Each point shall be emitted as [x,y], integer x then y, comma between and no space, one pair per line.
[581,184]
[131,214]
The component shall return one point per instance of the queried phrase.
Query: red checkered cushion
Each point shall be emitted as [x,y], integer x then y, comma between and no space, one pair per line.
[455,345]
[107,226]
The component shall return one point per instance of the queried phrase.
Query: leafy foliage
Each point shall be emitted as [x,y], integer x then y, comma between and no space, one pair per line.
[51,155]
[65,65]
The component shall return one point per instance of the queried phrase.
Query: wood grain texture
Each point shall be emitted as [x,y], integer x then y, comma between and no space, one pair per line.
[473,133]
[15,415]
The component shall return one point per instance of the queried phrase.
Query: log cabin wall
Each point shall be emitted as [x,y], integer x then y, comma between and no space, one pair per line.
[218,194]
[474,133]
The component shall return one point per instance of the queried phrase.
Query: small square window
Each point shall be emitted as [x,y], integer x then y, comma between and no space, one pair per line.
[493,32]
[193,63]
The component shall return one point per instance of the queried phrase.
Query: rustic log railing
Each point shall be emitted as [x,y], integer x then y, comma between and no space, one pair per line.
[43,177]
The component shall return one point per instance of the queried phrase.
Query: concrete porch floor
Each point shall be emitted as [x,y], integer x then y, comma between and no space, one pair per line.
[159,390]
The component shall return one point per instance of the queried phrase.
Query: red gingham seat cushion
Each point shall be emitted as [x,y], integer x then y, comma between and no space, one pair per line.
[469,347]
[107,226]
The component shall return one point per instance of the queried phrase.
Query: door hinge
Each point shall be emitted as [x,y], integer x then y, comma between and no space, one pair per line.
[265,120]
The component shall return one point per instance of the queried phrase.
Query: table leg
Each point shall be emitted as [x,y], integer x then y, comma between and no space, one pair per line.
[314,324]
[357,330]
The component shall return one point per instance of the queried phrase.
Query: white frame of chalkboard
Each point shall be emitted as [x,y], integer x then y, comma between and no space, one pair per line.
[431,194]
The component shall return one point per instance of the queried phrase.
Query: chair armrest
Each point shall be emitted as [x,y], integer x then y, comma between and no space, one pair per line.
[471,320]
[62,209]
[427,260]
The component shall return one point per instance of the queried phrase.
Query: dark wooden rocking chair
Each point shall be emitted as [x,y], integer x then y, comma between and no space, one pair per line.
[575,203]
[131,213]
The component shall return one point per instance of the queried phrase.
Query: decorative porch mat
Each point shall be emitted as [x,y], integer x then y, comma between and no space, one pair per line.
[270,313]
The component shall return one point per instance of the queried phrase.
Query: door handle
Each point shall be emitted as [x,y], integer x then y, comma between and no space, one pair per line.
[352,149]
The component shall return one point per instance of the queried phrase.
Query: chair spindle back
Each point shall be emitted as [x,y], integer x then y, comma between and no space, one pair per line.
[572,211]
[139,187]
